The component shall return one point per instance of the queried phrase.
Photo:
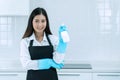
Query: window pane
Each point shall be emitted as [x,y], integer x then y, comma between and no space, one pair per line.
[3,28]
[108,12]
[3,35]
[3,42]
[9,27]
[3,20]
[9,20]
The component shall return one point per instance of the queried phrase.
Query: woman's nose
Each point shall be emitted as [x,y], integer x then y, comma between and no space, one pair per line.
[39,24]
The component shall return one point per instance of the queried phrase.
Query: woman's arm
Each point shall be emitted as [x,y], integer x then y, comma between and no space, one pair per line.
[57,57]
[27,63]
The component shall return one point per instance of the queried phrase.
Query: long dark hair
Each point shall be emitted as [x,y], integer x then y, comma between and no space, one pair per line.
[30,29]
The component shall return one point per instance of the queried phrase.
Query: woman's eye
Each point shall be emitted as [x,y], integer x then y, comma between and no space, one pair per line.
[36,21]
[43,21]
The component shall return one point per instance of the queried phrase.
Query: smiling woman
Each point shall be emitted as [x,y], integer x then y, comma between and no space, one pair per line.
[40,50]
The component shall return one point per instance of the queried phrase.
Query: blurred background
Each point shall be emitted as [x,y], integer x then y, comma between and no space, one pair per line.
[93,26]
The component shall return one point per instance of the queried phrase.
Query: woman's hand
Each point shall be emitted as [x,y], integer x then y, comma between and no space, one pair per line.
[61,48]
[44,63]
[56,65]
[47,63]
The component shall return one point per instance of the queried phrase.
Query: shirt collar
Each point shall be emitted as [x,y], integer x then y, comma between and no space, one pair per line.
[32,37]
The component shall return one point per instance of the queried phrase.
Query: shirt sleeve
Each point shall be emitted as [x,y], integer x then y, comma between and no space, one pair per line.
[57,57]
[27,63]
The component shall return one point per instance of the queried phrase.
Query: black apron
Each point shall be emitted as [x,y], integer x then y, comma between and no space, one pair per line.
[41,52]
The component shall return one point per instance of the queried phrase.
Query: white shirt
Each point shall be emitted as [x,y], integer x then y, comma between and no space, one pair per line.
[26,61]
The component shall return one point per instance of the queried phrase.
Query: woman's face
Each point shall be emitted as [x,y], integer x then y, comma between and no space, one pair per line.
[39,23]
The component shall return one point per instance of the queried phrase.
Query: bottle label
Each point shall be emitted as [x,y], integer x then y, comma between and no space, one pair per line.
[65,36]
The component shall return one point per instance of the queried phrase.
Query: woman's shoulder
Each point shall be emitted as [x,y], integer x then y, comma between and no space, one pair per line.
[53,38]
[25,40]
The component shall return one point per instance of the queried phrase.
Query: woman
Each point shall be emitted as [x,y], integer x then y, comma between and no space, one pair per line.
[41,52]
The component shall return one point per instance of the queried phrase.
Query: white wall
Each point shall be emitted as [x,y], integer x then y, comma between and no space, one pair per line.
[88,42]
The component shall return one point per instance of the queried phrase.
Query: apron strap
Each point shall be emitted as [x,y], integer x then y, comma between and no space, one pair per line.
[31,43]
[48,39]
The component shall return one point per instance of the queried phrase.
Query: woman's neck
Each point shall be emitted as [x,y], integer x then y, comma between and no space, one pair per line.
[39,36]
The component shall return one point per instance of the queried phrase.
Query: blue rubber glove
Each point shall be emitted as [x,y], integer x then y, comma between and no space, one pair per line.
[47,63]
[61,48]
[55,65]
[44,63]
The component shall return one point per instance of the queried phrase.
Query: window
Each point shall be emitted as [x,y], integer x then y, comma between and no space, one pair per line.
[104,12]
[109,16]
[6,31]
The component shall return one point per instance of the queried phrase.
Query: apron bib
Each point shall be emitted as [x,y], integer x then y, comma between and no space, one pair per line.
[41,52]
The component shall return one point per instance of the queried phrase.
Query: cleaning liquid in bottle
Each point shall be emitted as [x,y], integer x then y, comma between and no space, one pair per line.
[65,36]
